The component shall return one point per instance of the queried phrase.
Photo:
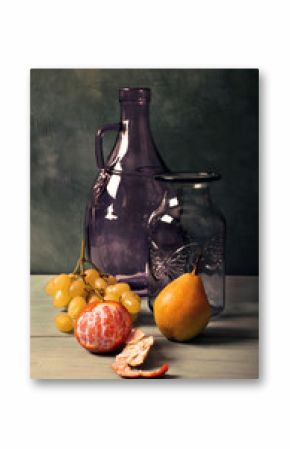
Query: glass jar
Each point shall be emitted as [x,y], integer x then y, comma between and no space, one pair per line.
[184,230]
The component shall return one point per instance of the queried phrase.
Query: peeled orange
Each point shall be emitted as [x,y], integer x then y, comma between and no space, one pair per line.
[103,327]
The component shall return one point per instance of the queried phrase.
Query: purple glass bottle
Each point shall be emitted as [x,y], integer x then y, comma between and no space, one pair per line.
[125,193]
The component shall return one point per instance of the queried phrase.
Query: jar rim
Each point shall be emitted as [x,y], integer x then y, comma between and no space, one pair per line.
[188,177]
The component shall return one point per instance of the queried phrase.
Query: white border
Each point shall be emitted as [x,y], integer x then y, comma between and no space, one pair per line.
[153,34]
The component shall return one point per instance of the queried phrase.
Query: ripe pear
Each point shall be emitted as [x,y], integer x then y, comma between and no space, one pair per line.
[181,309]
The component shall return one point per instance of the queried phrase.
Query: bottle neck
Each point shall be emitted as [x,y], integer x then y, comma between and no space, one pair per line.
[135,148]
[131,110]
[135,117]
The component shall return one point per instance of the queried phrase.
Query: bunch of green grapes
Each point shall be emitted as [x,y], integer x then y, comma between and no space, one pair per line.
[71,292]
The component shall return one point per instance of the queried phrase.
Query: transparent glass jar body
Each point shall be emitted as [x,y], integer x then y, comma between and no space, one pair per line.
[184,229]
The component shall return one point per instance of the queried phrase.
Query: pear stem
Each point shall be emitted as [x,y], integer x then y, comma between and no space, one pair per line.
[195,267]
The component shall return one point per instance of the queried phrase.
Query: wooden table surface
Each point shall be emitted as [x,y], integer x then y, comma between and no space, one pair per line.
[227,349]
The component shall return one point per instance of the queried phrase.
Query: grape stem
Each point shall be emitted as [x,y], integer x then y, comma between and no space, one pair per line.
[75,270]
[79,268]
[82,257]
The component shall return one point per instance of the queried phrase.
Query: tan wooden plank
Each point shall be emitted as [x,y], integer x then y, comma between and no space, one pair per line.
[59,358]
[64,358]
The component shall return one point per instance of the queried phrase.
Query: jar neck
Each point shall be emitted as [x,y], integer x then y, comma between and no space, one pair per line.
[195,194]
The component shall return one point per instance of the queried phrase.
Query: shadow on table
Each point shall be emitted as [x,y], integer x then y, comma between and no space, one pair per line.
[145,319]
[159,355]
[224,335]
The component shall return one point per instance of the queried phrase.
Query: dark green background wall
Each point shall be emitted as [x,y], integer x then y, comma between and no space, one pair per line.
[201,119]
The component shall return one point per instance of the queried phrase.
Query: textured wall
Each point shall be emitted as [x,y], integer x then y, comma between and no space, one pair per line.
[201,119]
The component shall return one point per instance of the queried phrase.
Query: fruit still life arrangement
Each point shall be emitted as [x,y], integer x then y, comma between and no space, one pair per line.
[100,311]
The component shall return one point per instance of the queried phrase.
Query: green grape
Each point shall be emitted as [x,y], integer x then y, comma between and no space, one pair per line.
[61,299]
[77,288]
[50,288]
[118,289]
[131,295]
[75,306]
[63,322]
[131,303]
[62,282]
[91,275]
[100,284]
[112,297]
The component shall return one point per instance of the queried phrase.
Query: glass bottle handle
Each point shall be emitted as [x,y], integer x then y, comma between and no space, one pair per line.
[99,142]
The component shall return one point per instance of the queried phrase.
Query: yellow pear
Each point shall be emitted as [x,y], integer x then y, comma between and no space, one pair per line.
[181,309]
